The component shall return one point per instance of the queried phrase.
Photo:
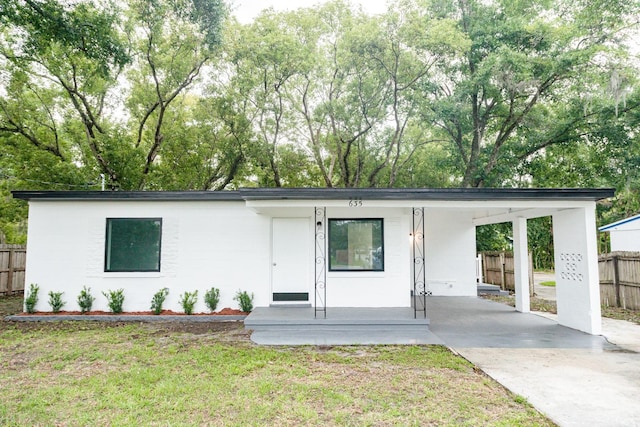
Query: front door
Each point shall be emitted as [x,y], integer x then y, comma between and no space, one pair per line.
[290,262]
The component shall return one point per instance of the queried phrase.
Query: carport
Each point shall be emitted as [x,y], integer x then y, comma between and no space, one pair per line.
[575,250]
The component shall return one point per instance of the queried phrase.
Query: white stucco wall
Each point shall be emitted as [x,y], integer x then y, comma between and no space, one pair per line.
[204,245]
[450,242]
[227,245]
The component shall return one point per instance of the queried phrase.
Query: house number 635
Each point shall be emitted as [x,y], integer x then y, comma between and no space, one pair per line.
[355,203]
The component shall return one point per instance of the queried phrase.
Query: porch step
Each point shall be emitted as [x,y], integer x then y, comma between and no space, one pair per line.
[375,318]
[291,305]
[488,289]
[345,335]
[342,326]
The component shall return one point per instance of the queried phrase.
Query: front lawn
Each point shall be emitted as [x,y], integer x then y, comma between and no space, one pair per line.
[91,373]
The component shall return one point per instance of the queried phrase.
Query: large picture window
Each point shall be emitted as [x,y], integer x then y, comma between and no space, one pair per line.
[133,244]
[356,245]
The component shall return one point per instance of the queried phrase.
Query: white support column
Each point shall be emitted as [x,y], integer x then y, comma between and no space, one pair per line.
[576,267]
[521,265]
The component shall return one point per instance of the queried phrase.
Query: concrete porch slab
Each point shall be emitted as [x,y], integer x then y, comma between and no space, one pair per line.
[342,326]
[458,322]
[283,316]
[463,322]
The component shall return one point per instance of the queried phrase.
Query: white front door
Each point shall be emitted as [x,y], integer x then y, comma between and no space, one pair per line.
[290,263]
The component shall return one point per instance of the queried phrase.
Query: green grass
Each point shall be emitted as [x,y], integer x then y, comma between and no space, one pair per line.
[550,283]
[87,373]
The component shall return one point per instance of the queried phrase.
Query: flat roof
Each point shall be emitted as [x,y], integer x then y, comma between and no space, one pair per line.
[458,194]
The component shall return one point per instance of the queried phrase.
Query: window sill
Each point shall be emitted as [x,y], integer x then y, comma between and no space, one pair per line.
[356,274]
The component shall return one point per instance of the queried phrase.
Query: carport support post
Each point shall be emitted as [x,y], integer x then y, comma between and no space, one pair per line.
[521,265]
[576,268]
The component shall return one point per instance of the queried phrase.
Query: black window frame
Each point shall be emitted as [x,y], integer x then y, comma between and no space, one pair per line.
[331,247]
[107,246]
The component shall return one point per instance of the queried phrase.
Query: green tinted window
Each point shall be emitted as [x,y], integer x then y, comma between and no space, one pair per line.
[133,244]
[356,245]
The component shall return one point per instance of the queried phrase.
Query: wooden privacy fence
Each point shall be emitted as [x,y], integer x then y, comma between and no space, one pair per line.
[620,279]
[498,269]
[12,265]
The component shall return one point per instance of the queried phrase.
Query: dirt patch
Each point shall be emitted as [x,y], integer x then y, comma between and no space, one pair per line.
[235,328]
[10,304]
[621,314]
[198,328]
[537,304]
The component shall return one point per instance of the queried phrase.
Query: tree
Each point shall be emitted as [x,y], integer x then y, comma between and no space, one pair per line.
[68,66]
[263,57]
[177,38]
[516,89]
[339,100]
[343,86]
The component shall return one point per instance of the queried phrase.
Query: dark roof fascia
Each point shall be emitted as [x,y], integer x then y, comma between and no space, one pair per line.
[443,194]
[129,195]
[463,194]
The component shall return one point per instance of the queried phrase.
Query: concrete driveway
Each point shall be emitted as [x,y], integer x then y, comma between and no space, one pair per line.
[574,378]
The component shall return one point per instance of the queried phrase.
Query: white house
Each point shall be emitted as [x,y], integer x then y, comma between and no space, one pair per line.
[318,247]
[625,234]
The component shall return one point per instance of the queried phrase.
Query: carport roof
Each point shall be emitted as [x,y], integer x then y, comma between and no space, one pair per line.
[246,194]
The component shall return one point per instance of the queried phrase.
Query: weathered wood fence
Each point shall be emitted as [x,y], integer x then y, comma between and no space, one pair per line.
[498,269]
[12,265]
[620,279]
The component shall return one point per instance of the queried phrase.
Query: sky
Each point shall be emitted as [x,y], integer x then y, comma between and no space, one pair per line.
[246,10]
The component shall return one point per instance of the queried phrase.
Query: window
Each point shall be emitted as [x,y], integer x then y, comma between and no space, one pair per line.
[133,244]
[356,245]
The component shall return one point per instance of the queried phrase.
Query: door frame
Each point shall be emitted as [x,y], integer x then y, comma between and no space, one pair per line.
[303,297]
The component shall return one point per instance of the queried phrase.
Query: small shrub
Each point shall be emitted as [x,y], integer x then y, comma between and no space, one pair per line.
[31,300]
[85,300]
[55,301]
[188,301]
[244,300]
[115,299]
[158,300]
[212,298]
